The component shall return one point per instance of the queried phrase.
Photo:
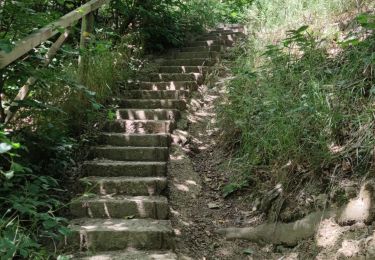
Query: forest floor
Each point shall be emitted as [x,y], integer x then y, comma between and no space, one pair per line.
[198,171]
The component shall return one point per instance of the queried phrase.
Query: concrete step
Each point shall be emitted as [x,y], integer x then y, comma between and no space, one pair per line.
[217,48]
[148,114]
[144,154]
[184,69]
[222,30]
[188,62]
[160,77]
[120,234]
[194,55]
[143,140]
[131,186]
[168,85]
[157,94]
[153,103]
[108,168]
[130,255]
[155,207]
[140,126]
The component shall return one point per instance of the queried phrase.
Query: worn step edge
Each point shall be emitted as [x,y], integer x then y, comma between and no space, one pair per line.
[129,153]
[120,207]
[142,140]
[132,186]
[140,126]
[166,85]
[156,94]
[108,168]
[147,114]
[120,234]
[128,255]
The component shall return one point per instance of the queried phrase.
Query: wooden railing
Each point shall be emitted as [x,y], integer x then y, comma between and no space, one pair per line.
[62,26]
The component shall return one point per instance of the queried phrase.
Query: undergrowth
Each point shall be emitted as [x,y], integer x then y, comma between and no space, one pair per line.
[300,105]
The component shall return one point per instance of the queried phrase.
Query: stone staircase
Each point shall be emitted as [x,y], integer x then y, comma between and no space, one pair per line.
[126,217]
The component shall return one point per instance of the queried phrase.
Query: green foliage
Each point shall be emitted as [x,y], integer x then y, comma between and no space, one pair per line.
[28,206]
[298,109]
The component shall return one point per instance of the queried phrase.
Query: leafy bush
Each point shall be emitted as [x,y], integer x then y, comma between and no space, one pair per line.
[28,206]
[297,107]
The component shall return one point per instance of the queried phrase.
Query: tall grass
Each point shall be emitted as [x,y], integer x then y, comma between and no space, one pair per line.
[300,102]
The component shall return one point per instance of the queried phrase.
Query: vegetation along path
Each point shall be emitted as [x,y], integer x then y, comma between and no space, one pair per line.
[127,209]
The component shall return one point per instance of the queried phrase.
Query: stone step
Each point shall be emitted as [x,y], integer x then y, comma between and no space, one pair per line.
[108,168]
[130,255]
[131,186]
[194,55]
[169,85]
[160,77]
[148,114]
[227,38]
[140,126]
[157,94]
[188,62]
[120,207]
[153,103]
[144,154]
[207,43]
[229,26]
[143,140]
[184,69]
[120,234]
[217,48]
[222,30]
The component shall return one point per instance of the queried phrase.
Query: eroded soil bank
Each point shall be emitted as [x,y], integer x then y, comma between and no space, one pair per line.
[198,171]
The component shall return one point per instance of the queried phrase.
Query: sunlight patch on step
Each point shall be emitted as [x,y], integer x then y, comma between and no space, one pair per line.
[210,42]
[106,210]
[141,208]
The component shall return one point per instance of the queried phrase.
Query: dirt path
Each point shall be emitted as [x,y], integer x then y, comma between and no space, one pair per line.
[196,179]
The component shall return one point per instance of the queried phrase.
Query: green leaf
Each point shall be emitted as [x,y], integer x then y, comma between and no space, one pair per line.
[5,46]
[230,188]
[248,251]
[4,147]
[9,175]
[50,223]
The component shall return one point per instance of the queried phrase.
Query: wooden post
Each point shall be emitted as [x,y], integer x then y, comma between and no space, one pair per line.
[86,34]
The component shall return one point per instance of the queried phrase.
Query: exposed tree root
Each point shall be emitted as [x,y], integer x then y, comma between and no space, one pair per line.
[357,210]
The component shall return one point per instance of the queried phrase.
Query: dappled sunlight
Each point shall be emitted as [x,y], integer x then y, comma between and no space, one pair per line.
[151,189]
[177,232]
[328,233]
[349,248]
[176,157]
[210,42]
[358,209]
[334,149]
[102,189]
[191,182]
[106,210]
[181,187]
[141,208]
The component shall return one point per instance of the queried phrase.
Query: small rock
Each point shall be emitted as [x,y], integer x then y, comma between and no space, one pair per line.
[213,205]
